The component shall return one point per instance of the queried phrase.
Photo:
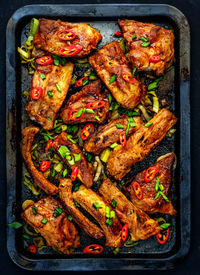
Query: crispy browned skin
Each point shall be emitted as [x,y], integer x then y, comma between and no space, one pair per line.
[86,198]
[162,45]
[65,194]
[58,232]
[28,135]
[86,171]
[44,110]
[109,61]
[148,203]
[46,37]
[89,93]
[140,144]
[109,134]
[140,225]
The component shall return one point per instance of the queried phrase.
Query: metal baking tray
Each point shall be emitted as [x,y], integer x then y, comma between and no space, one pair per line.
[175,86]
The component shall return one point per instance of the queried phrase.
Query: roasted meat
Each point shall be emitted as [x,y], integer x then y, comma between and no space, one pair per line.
[47,38]
[90,93]
[54,90]
[140,225]
[66,197]
[140,144]
[148,203]
[110,61]
[161,46]
[87,198]
[28,135]
[58,231]
[86,171]
[109,134]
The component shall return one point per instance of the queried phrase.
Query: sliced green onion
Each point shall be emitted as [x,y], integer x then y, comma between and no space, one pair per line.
[165,225]
[133,71]
[145,44]
[71,162]
[57,212]
[155,104]
[50,94]
[76,204]
[109,98]
[65,173]
[71,139]
[63,61]
[130,243]
[97,118]
[33,27]
[112,214]
[77,157]
[70,218]
[63,150]
[109,222]
[42,76]
[97,206]
[107,212]
[89,157]
[93,76]
[58,88]
[157,195]
[79,113]
[44,221]
[53,173]
[152,86]
[112,79]
[113,203]
[105,155]
[56,60]
[161,187]
[114,145]
[164,196]
[119,126]
[144,39]
[26,236]
[76,186]
[48,118]
[89,111]
[58,167]
[34,210]
[127,129]
[148,124]
[131,122]
[134,37]
[158,79]
[85,81]
[15,225]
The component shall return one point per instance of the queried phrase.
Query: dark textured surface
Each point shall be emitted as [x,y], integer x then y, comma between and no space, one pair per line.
[189,10]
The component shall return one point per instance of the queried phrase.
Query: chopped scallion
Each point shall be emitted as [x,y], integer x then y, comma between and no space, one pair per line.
[34,210]
[112,79]
[97,206]
[97,118]
[77,157]
[145,44]
[119,126]
[70,218]
[58,88]
[113,203]
[50,94]
[57,212]
[144,39]
[148,124]
[44,221]
[133,37]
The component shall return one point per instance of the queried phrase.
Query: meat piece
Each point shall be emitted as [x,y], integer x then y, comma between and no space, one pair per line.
[28,135]
[109,134]
[86,198]
[55,87]
[148,202]
[86,171]
[47,39]
[89,93]
[161,45]
[140,225]
[58,232]
[140,144]
[110,61]
[66,197]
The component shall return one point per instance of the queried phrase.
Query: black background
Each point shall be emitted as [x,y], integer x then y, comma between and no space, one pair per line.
[191,9]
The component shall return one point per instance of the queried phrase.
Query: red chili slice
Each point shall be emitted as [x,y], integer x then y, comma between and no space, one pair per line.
[122,138]
[44,60]
[32,248]
[150,173]
[93,249]
[127,76]
[124,233]
[36,93]
[44,165]
[87,131]
[161,237]
[73,113]
[74,173]
[138,190]
[95,104]
[48,145]
[154,59]
[118,34]
[70,50]
[79,82]
[66,35]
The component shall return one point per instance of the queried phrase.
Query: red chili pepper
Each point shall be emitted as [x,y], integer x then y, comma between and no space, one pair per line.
[74,173]
[95,104]
[48,145]
[122,138]
[124,233]
[44,60]
[118,34]
[36,93]
[87,131]
[93,249]
[73,113]
[127,76]
[66,35]
[32,248]
[80,81]
[150,173]
[70,50]
[138,190]
[44,165]
[161,237]
[154,59]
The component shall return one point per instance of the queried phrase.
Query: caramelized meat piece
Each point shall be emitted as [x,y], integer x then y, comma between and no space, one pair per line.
[86,171]
[87,198]
[110,61]
[65,194]
[28,135]
[90,93]
[161,46]
[148,203]
[54,90]
[140,144]
[109,134]
[140,225]
[58,231]
[47,38]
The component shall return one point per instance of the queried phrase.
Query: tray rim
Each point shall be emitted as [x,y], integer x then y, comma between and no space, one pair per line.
[185,154]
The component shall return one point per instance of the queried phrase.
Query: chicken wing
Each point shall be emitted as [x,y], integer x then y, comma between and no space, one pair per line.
[140,144]
[54,90]
[110,61]
[158,55]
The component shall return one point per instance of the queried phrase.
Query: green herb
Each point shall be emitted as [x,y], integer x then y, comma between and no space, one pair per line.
[71,139]
[56,60]
[165,225]
[57,212]
[109,98]
[89,157]
[152,85]
[114,105]
[97,206]
[48,118]
[145,44]
[109,222]
[65,173]
[134,71]
[79,113]
[63,151]
[119,126]
[34,210]
[113,203]
[112,79]
[76,204]
[53,173]
[127,129]
[134,37]
[89,111]
[77,157]
[112,214]
[107,212]
[144,39]
[131,122]
[42,76]
[26,236]
[97,118]
[44,221]
[112,146]
[50,94]
[58,88]
[76,186]
[70,218]
[15,225]
[148,124]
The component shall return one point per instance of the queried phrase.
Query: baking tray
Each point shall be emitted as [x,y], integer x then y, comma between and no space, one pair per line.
[175,85]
